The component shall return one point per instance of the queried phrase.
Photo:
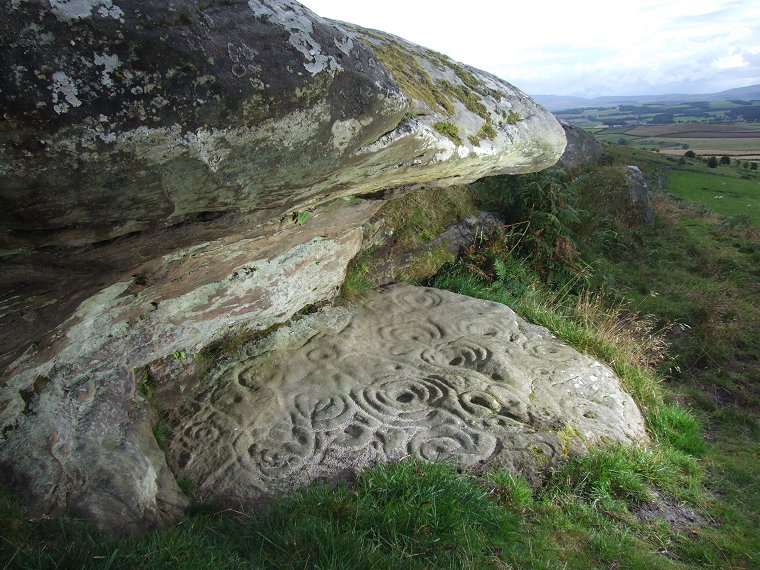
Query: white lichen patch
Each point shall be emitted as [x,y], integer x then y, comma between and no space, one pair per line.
[345,45]
[76,9]
[100,132]
[153,145]
[109,63]
[65,94]
[109,11]
[344,131]
[298,20]
[297,127]
[207,147]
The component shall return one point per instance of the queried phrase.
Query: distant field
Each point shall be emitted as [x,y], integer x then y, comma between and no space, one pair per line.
[728,146]
[697,130]
[705,113]
[707,128]
[722,194]
[752,155]
[737,140]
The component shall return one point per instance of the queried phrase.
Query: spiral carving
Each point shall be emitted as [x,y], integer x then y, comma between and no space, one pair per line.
[451,443]
[402,401]
[463,353]
[417,371]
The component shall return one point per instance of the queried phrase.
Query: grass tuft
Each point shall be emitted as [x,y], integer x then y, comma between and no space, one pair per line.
[357,284]
[449,130]
[678,428]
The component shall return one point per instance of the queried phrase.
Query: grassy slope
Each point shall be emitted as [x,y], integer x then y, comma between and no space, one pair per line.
[704,273]
[721,194]
[700,270]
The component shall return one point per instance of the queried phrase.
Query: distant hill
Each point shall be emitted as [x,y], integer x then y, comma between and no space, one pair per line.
[561,102]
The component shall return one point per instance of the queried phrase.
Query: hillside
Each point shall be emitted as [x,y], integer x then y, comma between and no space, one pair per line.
[561,103]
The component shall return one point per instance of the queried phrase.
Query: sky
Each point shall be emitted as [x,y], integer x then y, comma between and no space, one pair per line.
[585,48]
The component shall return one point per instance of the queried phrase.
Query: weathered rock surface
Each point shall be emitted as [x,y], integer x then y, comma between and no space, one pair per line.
[640,204]
[160,128]
[582,148]
[414,371]
[157,166]
[154,115]
[78,428]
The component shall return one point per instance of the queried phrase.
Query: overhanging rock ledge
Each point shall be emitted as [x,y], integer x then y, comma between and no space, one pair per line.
[157,163]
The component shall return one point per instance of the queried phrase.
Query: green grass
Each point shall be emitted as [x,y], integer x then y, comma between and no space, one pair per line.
[721,194]
[618,477]
[406,515]
[410,223]
[674,426]
[357,284]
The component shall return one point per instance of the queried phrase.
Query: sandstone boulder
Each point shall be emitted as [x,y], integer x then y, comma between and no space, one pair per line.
[640,203]
[582,148]
[171,171]
[414,371]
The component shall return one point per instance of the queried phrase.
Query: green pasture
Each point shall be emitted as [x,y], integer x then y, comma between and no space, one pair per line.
[722,194]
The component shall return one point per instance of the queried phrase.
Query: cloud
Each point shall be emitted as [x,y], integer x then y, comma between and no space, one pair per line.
[587,47]
[730,62]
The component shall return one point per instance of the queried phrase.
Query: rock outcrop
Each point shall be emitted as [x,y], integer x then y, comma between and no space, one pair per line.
[171,171]
[640,204]
[414,371]
[582,148]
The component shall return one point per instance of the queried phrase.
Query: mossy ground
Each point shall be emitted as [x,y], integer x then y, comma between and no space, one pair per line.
[412,222]
[697,384]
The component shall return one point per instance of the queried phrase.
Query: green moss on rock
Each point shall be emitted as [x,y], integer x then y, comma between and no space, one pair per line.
[410,76]
[470,99]
[513,117]
[486,132]
[449,130]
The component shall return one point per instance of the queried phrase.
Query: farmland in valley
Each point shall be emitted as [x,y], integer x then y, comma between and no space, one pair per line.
[729,128]
[737,140]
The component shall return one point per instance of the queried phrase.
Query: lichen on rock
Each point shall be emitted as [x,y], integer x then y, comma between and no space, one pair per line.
[153,158]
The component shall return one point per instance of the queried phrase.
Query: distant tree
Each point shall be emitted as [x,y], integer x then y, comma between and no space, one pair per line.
[690,154]
[682,160]
[684,146]
[745,164]
[712,162]
[725,160]
[623,141]
[661,119]
[753,166]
